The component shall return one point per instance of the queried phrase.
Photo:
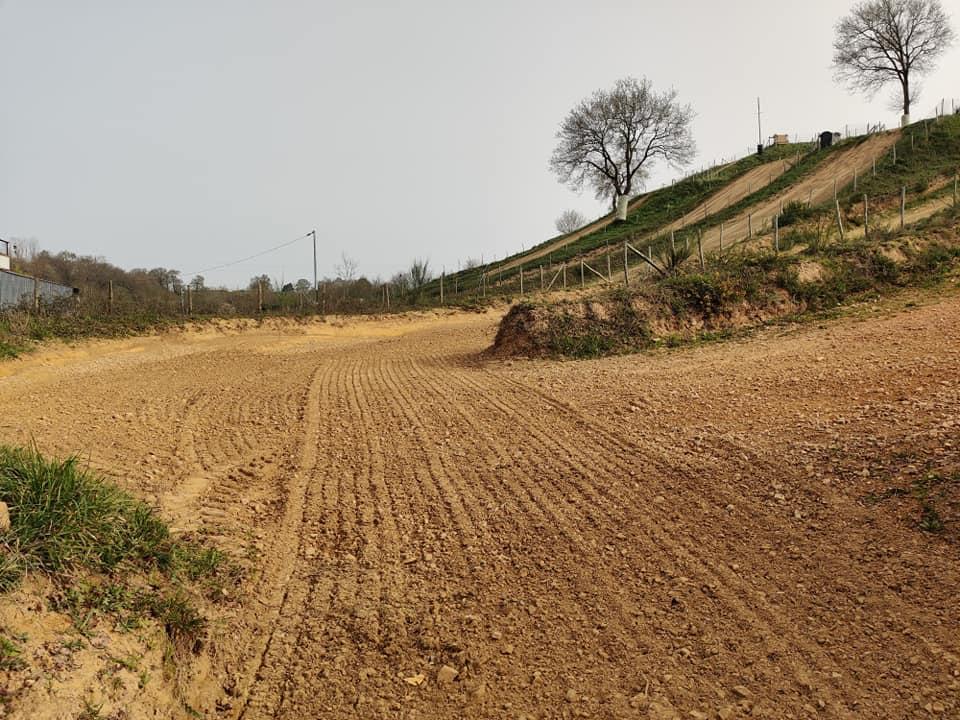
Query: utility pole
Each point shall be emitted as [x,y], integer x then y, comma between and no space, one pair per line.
[759,131]
[316,286]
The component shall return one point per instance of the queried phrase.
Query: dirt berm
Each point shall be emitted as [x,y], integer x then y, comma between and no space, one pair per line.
[741,291]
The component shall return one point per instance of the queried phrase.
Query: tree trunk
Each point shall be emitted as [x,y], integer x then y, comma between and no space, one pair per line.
[905,84]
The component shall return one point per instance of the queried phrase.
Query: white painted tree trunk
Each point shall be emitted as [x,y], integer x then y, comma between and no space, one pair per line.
[622,204]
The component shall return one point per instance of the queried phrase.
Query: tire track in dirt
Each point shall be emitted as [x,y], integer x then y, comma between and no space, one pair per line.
[779,531]
[714,575]
[556,517]
[279,597]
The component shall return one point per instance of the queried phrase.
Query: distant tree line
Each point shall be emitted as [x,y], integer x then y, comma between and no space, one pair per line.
[164,291]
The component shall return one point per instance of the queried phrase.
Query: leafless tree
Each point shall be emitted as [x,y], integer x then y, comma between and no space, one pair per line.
[197,284]
[346,268]
[24,248]
[419,274]
[569,221]
[400,282]
[471,263]
[610,139]
[886,41]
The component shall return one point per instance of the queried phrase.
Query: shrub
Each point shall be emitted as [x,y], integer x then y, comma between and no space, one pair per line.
[794,212]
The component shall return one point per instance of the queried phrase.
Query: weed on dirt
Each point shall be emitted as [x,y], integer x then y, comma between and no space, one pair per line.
[109,554]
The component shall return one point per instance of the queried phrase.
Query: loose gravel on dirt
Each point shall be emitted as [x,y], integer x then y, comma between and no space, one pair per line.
[427,534]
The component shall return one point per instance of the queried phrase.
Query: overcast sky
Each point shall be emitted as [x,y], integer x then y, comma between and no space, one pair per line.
[187,134]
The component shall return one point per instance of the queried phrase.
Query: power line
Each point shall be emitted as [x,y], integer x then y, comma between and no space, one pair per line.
[250,257]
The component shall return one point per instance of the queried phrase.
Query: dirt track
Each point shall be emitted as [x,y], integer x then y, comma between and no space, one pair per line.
[637,537]
[817,188]
[732,193]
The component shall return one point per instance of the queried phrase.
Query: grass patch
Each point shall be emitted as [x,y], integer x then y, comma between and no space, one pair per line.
[10,655]
[70,524]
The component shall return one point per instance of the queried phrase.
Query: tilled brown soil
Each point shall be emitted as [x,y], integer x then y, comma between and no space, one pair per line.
[430,535]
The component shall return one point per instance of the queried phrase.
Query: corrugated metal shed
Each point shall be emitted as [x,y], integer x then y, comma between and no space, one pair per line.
[17,289]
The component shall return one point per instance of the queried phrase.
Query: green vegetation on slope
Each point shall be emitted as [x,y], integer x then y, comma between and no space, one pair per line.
[925,151]
[735,291]
[662,207]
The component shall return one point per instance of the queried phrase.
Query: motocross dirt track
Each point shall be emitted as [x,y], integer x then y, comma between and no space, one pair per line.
[676,535]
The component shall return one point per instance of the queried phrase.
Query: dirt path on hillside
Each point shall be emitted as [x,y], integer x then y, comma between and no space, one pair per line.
[595,226]
[815,189]
[734,192]
[431,535]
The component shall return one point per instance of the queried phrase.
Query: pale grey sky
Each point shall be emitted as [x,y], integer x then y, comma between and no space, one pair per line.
[188,133]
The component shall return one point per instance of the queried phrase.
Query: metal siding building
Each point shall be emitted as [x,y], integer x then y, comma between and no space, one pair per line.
[17,289]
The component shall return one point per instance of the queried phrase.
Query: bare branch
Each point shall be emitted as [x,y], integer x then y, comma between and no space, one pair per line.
[890,41]
[610,139]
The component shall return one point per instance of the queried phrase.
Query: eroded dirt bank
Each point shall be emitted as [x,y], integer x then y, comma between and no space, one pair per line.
[704,533]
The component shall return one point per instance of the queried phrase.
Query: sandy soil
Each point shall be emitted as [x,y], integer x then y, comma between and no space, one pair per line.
[428,534]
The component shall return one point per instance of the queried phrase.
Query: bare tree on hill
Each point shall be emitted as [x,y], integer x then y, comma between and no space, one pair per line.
[609,140]
[891,41]
[569,221]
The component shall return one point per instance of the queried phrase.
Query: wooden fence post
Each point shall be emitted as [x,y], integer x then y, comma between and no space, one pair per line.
[903,207]
[839,218]
[776,233]
[583,281]
[442,276]
[956,178]
[36,294]
[721,238]
[387,288]
[874,165]
[609,271]
[259,296]
[541,277]
[750,226]
[521,280]
[564,271]
[866,217]
[110,296]
[703,265]
[189,300]
[673,241]
[626,266]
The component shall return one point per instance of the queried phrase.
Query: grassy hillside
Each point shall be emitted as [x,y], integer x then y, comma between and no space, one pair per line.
[925,152]
[737,291]
[661,208]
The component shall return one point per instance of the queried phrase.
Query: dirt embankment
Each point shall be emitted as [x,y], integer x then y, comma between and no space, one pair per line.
[740,291]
